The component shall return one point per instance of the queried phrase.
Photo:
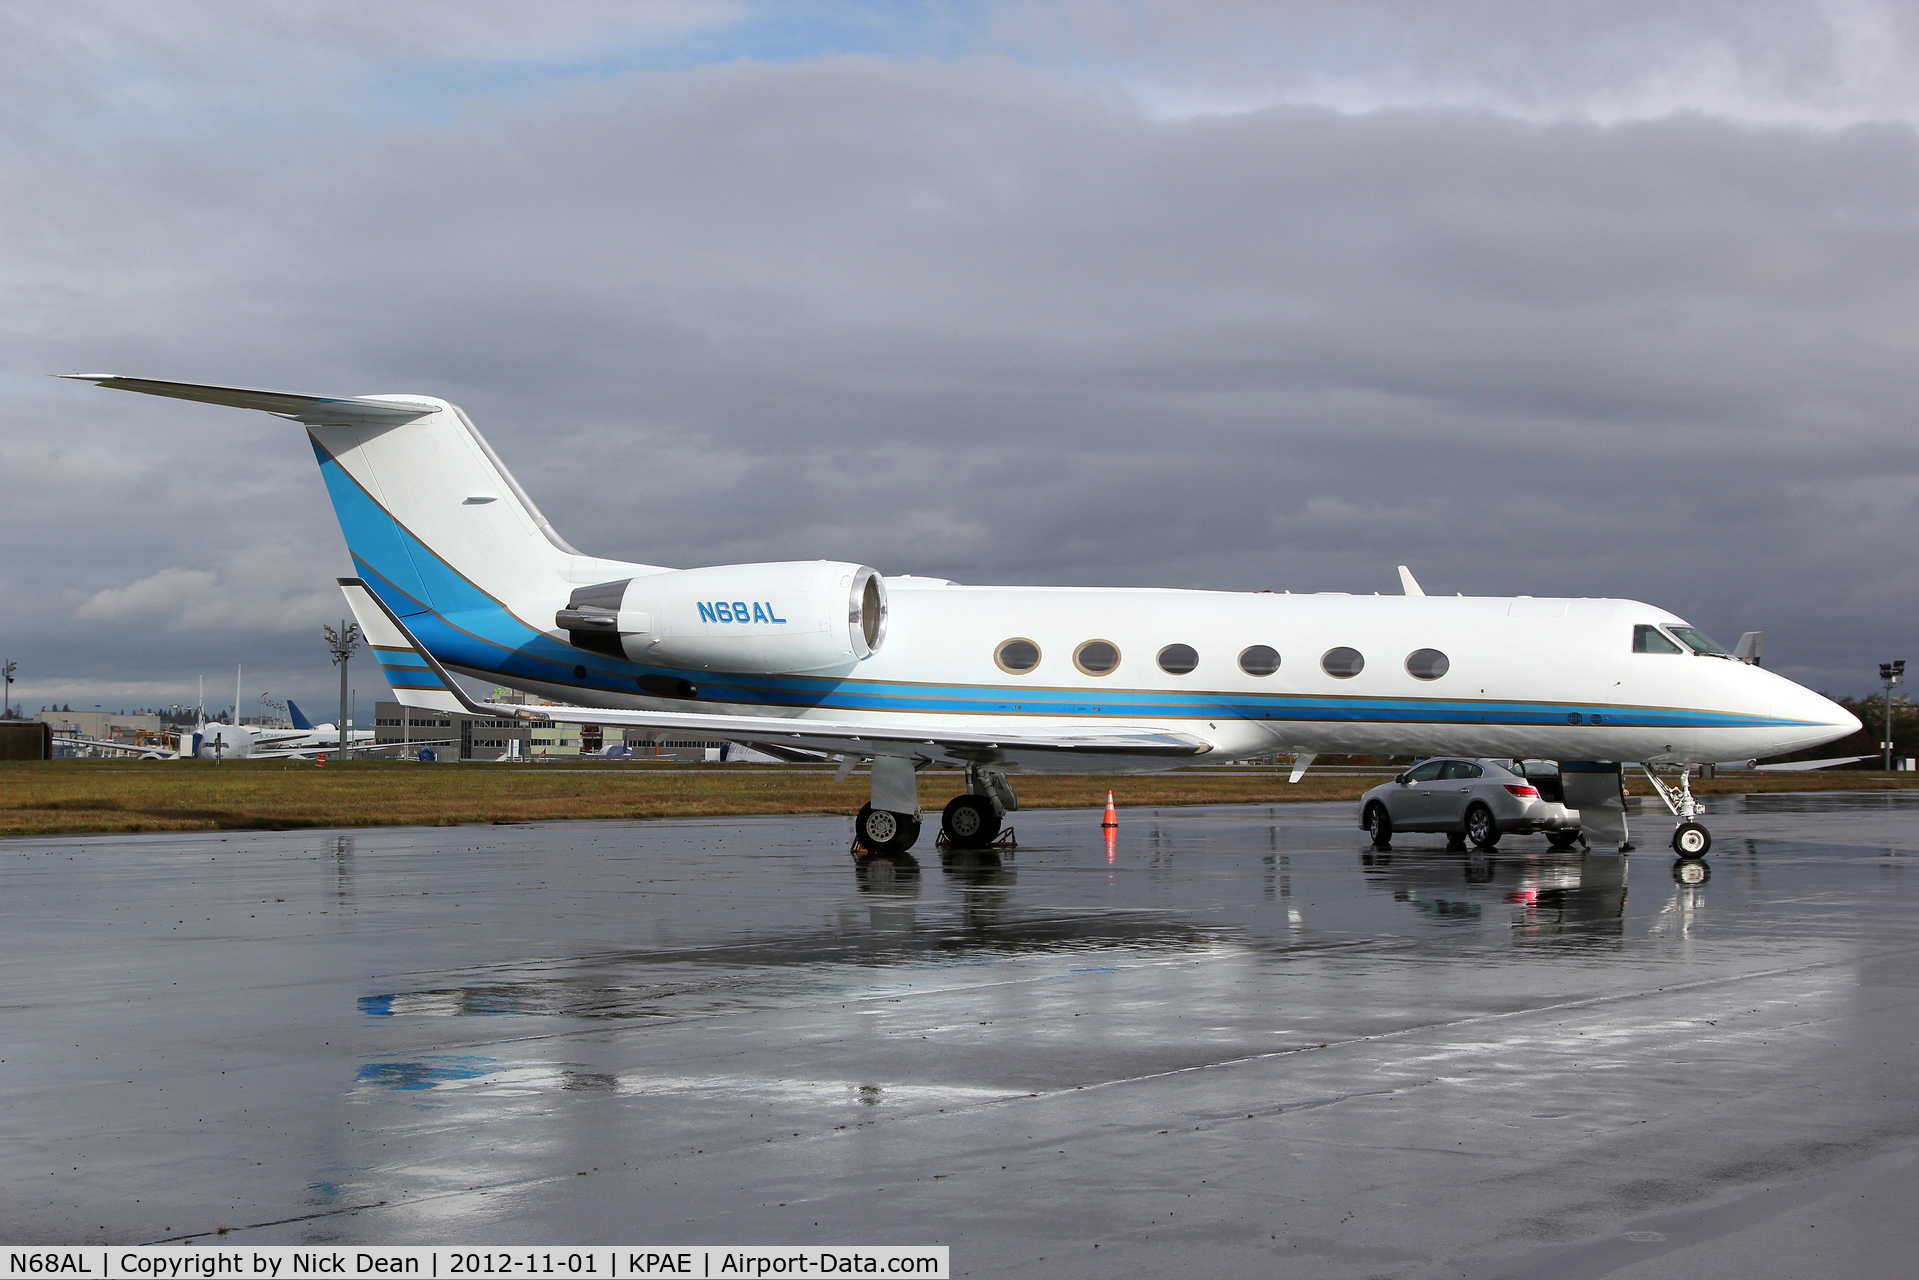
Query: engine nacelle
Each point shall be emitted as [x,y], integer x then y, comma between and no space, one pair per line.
[784,618]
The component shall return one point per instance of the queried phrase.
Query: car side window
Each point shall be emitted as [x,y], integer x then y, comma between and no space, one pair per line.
[1461,769]
[1647,639]
[1426,772]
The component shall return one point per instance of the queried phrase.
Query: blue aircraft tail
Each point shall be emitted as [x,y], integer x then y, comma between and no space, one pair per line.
[300,720]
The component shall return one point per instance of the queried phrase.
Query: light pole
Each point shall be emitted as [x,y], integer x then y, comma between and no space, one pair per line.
[6,700]
[342,643]
[1889,673]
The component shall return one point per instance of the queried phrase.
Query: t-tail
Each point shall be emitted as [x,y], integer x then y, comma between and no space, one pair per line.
[434,522]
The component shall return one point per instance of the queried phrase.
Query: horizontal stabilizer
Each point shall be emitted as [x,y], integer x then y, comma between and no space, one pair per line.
[893,738]
[288,404]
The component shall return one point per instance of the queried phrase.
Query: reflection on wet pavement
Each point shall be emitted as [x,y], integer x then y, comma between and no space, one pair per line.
[1244,1032]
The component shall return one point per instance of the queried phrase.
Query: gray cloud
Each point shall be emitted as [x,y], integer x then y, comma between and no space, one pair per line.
[964,316]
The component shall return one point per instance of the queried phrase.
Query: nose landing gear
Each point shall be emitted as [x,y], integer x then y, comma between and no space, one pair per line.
[1690,839]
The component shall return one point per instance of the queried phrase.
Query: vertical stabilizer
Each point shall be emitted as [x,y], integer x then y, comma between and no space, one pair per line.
[433,520]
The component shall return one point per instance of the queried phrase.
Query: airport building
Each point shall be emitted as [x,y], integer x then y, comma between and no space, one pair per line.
[113,726]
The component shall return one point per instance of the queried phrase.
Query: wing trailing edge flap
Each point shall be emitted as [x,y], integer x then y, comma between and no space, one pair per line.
[392,639]
[287,404]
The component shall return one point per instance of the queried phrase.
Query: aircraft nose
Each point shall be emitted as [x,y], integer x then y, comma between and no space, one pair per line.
[1816,708]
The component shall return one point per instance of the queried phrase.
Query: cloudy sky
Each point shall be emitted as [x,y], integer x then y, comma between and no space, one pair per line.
[1572,298]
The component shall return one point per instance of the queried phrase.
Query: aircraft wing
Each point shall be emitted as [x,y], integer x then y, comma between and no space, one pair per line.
[426,679]
[157,753]
[329,749]
[287,404]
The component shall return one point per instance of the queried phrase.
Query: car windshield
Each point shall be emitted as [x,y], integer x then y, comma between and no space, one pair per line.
[1699,640]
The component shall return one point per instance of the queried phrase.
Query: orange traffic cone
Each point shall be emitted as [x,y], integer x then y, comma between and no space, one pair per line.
[321,762]
[1112,819]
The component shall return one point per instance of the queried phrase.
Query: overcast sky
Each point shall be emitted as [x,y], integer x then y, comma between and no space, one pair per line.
[1576,298]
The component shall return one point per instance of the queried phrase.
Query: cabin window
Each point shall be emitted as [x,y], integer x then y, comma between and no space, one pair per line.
[1647,639]
[1016,656]
[1178,659]
[1260,660]
[1699,640]
[1096,657]
[1427,664]
[1342,663]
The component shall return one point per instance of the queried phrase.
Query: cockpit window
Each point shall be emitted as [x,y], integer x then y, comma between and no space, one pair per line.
[1426,772]
[1652,640]
[1700,641]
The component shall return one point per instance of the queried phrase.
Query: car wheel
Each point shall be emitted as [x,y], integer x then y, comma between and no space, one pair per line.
[1562,839]
[1379,825]
[970,822]
[1481,829]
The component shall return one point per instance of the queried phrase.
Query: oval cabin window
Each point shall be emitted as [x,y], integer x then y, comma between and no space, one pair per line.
[1427,664]
[1016,657]
[1260,660]
[1178,659]
[1342,663]
[1096,657]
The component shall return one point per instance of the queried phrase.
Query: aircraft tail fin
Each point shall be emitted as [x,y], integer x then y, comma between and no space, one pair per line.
[416,680]
[433,519]
[298,716]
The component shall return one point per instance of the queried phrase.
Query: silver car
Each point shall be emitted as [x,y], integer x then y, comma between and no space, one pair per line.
[1476,800]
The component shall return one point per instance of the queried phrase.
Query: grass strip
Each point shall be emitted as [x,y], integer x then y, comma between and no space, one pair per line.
[74,796]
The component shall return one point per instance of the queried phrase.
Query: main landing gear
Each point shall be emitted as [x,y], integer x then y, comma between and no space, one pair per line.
[1690,839]
[890,823]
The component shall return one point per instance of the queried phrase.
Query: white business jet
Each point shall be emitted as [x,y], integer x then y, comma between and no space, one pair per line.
[457,572]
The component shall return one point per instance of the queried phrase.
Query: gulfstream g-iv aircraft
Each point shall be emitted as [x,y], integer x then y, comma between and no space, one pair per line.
[458,573]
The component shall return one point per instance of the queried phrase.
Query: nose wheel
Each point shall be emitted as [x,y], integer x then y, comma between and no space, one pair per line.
[1689,838]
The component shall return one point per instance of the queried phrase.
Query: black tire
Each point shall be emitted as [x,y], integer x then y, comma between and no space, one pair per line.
[970,822]
[1455,841]
[1379,825]
[1481,827]
[883,831]
[1690,840]
[1562,839]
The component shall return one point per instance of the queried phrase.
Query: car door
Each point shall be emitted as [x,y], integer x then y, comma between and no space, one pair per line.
[1451,792]
[1411,802]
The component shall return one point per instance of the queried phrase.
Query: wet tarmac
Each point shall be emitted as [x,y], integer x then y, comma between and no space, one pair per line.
[1243,1043]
